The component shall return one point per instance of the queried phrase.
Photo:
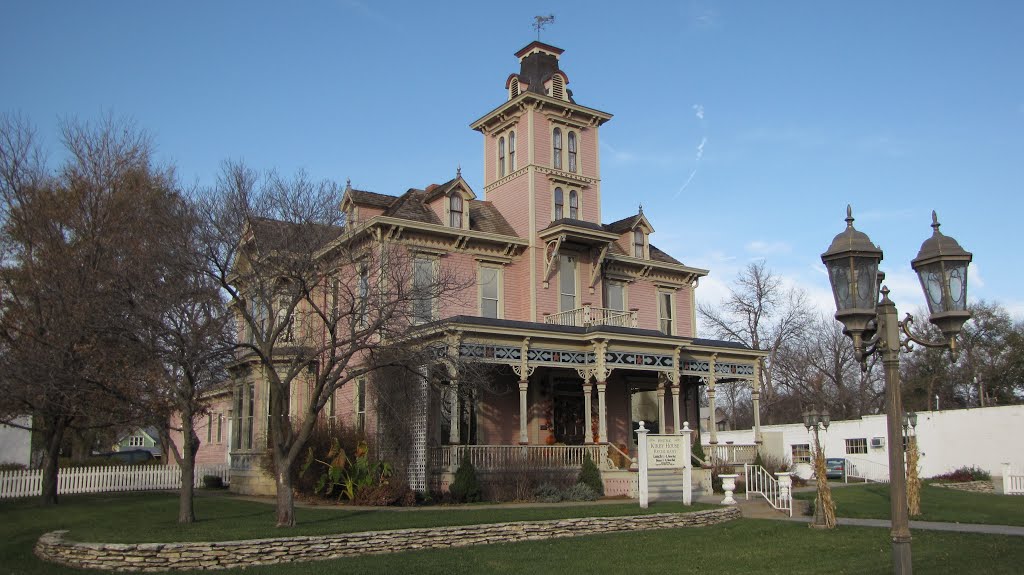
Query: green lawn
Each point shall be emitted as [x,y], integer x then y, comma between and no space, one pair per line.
[747,545]
[937,504]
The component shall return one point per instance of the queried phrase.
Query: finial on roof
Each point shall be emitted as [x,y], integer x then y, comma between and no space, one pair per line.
[348,184]
[641,209]
[935,222]
[458,171]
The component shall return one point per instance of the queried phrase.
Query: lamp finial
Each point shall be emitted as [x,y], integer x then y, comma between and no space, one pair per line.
[849,216]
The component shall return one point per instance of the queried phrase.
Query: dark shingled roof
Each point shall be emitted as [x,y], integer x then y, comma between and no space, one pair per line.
[484,217]
[364,198]
[623,225]
[538,68]
[576,223]
[411,206]
[277,235]
[660,256]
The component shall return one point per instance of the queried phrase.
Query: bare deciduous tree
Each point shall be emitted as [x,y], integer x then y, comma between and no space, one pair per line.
[762,313]
[320,301]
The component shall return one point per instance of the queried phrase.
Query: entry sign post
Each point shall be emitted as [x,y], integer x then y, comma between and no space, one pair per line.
[669,452]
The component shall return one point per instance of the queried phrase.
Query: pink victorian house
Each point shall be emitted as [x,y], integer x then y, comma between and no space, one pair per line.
[592,326]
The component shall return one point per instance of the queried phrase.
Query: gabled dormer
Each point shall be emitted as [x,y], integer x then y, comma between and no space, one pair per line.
[634,235]
[451,201]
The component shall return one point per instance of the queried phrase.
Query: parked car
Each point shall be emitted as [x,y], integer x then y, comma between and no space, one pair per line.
[835,468]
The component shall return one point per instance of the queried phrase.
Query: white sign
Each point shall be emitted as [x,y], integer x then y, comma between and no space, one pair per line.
[665,452]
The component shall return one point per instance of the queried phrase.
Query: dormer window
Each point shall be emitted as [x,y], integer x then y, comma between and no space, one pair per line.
[455,210]
[574,204]
[559,203]
[501,157]
[638,243]
[556,144]
[558,87]
[513,88]
[572,152]
[511,152]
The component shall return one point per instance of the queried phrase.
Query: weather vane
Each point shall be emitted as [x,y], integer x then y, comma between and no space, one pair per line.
[540,22]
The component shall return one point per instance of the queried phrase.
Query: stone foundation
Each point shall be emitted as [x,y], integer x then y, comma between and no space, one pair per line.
[972,486]
[229,554]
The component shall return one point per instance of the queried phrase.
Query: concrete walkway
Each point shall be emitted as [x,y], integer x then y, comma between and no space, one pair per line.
[758,508]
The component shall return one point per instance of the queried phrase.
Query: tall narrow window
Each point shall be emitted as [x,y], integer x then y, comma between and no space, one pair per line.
[249,419]
[364,295]
[422,290]
[614,296]
[665,312]
[572,152]
[237,431]
[559,204]
[360,404]
[209,428]
[574,205]
[511,152]
[331,413]
[567,283]
[638,243]
[490,291]
[556,144]
[220,427]
[501,157]
[455,210]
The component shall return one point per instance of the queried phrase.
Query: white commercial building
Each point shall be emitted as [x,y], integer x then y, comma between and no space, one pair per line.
[984,437]
[15,442]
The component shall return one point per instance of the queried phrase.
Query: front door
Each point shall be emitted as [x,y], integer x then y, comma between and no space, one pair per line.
[569,420]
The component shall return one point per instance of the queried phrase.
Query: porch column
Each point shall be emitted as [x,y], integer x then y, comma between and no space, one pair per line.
[453,431]
[661,407]
[712,420]
[675,408]
[524,438]
[587,409]
[755,398]
[602,414]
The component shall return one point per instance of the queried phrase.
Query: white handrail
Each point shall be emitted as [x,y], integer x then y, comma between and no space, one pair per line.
[760,482]
[865,470]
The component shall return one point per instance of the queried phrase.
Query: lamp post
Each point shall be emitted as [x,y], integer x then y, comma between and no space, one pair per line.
[910,446]
[824,510]
[873,324]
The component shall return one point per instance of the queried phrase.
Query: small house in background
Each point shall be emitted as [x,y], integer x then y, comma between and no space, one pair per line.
[721,420]
[140,439]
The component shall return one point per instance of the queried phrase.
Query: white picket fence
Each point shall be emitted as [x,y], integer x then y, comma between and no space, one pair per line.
[1013,479]
[70,480]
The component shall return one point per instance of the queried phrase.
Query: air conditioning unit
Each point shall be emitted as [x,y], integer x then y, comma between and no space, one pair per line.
[878,442]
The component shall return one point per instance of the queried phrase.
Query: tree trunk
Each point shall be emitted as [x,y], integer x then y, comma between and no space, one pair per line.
[53,435]
[285,498]
[187,464]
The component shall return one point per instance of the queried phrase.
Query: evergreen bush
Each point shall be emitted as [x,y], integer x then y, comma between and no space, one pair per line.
[548,493]
[591,476]
[580,492]
[466,487]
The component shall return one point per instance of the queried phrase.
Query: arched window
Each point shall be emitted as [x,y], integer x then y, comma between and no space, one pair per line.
[574,205]
[638,243]
[501,157]
[455,210]
[556,143]
[513,88]
[559,203]
[572,152]
[511,152]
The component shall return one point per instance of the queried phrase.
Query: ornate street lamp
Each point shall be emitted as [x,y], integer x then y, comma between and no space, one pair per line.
[824,509]
[852,264]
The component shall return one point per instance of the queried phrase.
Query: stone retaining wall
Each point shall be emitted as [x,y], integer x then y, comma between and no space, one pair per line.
[228,554]
[972,486]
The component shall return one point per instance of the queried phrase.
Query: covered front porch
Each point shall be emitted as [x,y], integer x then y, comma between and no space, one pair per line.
[557,395]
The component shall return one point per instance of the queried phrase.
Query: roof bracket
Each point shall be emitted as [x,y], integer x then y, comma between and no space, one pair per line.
[551,254]
[598,261]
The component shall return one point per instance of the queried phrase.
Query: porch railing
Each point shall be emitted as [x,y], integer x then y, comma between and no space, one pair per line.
[1013,479]
[501,457]
[759,482]
[589,315]
[865,470]
[730,453]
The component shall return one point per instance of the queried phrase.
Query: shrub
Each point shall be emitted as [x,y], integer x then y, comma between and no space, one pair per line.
[320,442]
[580,492]
[213,482]
[548,493]
[698,453]
[964,474]
[350,477]
[12,467]
[466,487]
[591,476]
[519,480]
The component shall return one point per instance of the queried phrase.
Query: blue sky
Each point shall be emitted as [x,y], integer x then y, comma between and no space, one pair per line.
[744,128]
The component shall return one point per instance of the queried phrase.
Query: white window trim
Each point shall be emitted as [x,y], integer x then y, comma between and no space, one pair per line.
[448,210]
[578,294]
[502,171]
[561,151]
[480,289]
[511,138]
[578,138]
[625,292]
[565,202]
[647,243]
[434,303]
[672,303]
[356,397]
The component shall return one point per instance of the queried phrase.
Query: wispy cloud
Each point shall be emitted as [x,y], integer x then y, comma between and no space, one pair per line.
[766,248]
